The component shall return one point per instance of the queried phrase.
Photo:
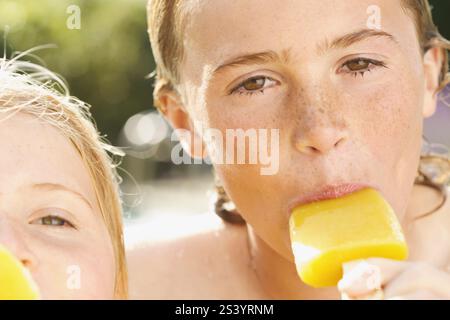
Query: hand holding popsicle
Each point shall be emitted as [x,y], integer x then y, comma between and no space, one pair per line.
[15,281]
[399,280]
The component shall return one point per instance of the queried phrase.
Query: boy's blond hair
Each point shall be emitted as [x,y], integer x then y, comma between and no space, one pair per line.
[32,89]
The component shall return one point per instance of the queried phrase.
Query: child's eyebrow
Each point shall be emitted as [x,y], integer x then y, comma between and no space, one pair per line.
[271,56]
[60,187]
[349,39]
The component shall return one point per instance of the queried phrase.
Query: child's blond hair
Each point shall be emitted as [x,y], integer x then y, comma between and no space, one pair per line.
[32,89]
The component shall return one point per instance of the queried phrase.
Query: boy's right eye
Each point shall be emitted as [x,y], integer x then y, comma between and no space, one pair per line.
[257,84]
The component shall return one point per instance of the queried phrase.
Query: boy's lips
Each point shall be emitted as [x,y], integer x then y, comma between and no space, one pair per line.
[326,192]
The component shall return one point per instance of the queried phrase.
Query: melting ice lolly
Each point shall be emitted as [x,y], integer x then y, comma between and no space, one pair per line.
[15,282]
[325,234]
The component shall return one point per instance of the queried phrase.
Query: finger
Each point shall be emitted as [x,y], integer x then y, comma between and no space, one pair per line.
[360,278]
[365,275]
[389,268]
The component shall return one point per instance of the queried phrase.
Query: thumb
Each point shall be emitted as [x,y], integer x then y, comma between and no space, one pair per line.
[359,278]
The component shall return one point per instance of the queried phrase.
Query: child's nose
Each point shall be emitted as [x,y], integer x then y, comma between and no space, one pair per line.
[15,241]
[320,140]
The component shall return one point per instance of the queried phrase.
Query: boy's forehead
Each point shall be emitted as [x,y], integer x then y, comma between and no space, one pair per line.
[216,30]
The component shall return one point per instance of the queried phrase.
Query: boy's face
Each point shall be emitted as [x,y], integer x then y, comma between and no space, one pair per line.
[49,217]
[347,110]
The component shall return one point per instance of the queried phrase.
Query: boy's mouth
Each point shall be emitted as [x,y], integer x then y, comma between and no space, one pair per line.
[327,192]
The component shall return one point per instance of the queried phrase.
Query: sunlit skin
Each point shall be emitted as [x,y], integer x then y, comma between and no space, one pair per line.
[49,216]
[348,112]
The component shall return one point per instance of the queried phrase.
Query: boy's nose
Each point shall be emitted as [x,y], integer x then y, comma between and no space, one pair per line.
[320,140]
[15,242]
[320,122]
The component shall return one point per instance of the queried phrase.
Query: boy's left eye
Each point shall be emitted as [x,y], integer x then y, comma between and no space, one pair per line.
[360,66]
[53,221]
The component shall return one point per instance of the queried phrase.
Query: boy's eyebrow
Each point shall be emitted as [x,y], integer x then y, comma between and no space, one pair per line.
[60,187]
[351,38]
[255,58]
[271,56]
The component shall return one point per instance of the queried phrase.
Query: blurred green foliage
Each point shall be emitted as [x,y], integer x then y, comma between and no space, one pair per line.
[105,62]
[441,15]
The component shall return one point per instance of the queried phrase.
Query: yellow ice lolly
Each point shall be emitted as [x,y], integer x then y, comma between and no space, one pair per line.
[15,281]
[327,233]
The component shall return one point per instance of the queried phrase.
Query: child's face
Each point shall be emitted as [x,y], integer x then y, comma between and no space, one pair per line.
[49,216]
[337,125]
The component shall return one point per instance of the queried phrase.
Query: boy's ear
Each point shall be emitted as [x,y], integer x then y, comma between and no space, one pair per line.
[433,60]
[177,115]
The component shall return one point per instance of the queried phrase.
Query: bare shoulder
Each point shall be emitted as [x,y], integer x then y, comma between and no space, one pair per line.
[197,257]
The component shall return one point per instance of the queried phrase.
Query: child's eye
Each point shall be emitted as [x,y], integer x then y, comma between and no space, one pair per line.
[53,221]
[254,85]
[361,66]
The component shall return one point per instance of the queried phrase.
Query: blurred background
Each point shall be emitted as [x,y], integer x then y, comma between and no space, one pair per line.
[106,62]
